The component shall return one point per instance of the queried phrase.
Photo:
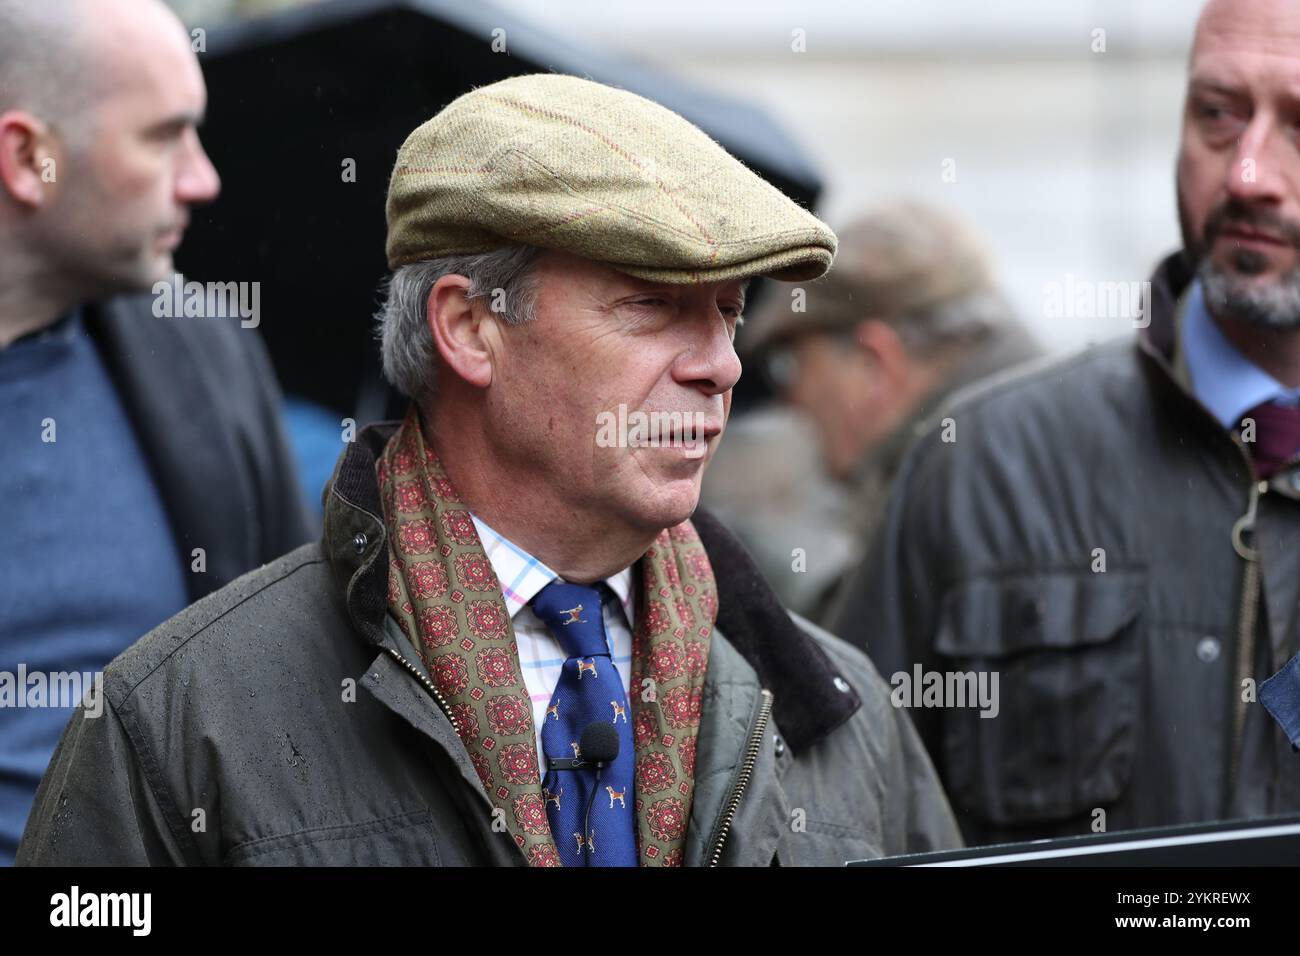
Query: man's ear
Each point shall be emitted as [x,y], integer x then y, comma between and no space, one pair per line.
[28,158]
[466,334]
[885,349]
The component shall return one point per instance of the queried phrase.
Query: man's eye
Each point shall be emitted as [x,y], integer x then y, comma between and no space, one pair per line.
[168,131]
[1215,113]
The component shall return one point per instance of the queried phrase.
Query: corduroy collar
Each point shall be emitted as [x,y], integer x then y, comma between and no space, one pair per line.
[1171,279]
[804,681]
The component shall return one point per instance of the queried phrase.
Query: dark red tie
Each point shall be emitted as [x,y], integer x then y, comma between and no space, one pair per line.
[1277,436]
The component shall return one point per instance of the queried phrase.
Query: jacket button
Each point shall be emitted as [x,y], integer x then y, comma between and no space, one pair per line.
[841,685]
[1207,649]
[778,744]
[359,541]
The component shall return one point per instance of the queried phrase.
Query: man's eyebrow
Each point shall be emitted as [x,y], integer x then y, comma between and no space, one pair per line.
[1223,87]
[177,122]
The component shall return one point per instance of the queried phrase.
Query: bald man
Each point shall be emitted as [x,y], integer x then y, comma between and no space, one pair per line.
[144,465]
[1116,537]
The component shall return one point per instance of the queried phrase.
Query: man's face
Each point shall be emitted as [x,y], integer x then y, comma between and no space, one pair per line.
[602,339]
[131,173]
[1239,161]
[836,387]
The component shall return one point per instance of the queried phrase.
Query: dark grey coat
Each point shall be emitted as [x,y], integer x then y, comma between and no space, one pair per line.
[1121,690]
[204,403]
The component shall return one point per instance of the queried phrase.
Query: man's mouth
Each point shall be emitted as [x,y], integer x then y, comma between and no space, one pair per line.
[693,442]
[1249,235]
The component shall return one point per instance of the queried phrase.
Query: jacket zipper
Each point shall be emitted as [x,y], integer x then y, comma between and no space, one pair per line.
[428,685]
[746,772]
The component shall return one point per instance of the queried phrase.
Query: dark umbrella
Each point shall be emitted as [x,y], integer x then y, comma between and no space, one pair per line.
[294,95]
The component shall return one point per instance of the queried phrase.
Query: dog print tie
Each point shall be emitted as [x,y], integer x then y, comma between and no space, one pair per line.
[590,689]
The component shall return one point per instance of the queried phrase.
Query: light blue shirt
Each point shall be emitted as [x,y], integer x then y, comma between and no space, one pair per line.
[1224,380]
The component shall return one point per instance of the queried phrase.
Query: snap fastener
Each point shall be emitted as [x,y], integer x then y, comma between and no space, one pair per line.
[1031,611]
[841,685]
[1207,649]
[359,541]
[778,745]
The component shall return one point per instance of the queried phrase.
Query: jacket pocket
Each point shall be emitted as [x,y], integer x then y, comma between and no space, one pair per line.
[1066,649]
[403,839]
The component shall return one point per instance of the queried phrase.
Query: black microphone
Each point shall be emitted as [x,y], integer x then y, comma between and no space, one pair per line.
[598,745]
[599,742]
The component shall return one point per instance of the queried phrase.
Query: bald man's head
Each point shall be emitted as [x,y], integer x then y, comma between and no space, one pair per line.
[42,55]
[1239,160]
[100,160]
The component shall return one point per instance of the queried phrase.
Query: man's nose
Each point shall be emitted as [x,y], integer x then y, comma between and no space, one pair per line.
[1257,175]
[712,364]
[196,180]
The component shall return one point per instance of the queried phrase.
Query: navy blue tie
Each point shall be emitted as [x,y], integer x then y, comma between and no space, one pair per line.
[590,689]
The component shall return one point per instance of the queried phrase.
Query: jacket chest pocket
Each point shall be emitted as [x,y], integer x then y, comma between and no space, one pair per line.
[1066,651]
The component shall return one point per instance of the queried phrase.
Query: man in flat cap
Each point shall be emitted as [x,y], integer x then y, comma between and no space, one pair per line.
[513,645]
[910,313]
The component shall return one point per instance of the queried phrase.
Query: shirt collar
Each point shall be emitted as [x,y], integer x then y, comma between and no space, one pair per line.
[1224,380]
[522,575]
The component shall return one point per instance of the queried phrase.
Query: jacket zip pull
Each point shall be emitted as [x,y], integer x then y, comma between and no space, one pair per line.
[746,772]
[1242,542]
[1243,530]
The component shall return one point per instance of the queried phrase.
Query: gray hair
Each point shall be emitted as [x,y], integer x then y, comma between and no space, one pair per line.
[1272,306]
[409,352]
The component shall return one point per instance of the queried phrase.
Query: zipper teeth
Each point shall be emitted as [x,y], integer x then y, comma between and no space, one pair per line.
[1245,660]
[1246,626]
[746,771]
[428,685]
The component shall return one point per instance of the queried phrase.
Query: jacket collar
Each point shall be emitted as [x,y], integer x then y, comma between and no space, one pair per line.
[155,373]
[1170,281]
[1156,345]
[804,681]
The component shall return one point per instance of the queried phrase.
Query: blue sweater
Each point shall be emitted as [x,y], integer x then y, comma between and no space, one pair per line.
[90,562]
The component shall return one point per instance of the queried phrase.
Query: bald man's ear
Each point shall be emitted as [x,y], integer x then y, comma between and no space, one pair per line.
[28,159]
[466,334]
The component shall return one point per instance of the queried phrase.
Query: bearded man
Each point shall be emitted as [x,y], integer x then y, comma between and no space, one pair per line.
[1117,536]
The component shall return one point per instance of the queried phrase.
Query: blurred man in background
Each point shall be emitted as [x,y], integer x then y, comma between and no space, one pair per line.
[1117,536]
[144,465]
[910,312]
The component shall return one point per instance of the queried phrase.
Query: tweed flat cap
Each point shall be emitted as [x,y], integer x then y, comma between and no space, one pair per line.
[564,163]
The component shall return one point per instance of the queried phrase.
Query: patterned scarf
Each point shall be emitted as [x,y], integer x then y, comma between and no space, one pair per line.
[447,600]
